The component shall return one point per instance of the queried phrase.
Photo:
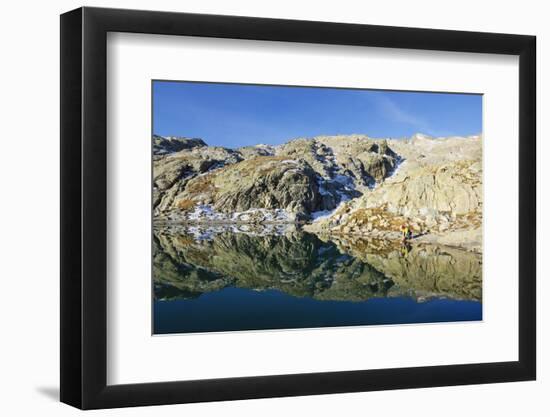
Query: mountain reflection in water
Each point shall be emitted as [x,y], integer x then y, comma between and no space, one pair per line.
[225,278]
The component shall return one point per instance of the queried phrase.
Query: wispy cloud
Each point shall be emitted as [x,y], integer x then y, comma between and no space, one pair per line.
[397,114]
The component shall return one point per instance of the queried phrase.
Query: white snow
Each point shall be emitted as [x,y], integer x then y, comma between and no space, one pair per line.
[325,214]
[199,234]
[344,180]
[400,162]
[421,136]
[202,233]
[321,185]
[320,215]
[206,213]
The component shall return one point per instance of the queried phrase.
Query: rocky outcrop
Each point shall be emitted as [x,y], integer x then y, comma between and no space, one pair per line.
[437,190]
[268,182]
[367,161]
[172,172]
[164,145]
[301,177]
[248,152]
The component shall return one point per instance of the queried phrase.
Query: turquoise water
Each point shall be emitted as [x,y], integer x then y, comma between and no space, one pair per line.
[227,281]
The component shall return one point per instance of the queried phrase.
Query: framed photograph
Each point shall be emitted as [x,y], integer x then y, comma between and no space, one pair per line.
[257,208]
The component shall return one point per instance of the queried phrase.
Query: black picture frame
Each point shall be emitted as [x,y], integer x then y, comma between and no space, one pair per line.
[84,207]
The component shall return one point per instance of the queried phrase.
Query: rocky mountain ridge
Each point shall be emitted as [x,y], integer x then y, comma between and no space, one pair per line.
[336,185]
[300,177]
[437,190]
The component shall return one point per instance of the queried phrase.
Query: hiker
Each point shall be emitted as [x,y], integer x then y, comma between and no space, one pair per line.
[406,232]
[405,248]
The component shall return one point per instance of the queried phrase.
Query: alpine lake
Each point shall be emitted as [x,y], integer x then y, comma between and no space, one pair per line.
[236,277]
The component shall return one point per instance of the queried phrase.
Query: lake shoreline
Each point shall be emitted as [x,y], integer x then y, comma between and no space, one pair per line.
[464,239]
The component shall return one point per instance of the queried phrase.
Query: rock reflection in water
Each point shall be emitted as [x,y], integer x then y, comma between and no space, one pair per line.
[189,262]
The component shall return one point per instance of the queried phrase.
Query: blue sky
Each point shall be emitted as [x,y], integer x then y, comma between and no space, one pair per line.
[234,115]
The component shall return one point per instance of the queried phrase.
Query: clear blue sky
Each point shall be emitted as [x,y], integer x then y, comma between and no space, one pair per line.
[234,115]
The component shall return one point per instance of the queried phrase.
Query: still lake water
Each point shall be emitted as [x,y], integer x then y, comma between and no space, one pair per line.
[224,279]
